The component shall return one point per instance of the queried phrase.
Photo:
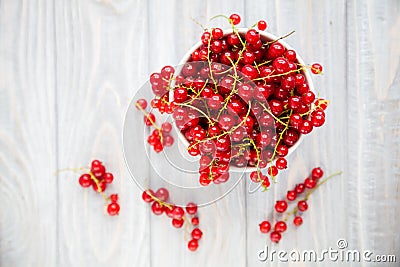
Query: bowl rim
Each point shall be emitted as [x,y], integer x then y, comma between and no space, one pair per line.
[266,35]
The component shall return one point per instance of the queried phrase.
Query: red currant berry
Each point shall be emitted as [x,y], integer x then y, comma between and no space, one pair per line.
[166,127]
[275,237]
[177,213]
[290,55]
[282,150]
[217,33]
[177,223]
[197,233]
[98,171]
[193,245]
[85,180]
[306,127]
[316,68]
[273,171]
[310,183]
[300,188]
[281,206]
[317,173]
[101,188]
[262,25]
[291,195]
[317,119]
[191,208]
[252,36]
[235,19]
[149,119]
[114,198]
[195,221]
[302,205]
[157,208]
[96,162]
[281,163]
[141,104]
[308,98]
[265,227]
[113,209]
[280,226]
[162,194]
[298,221]
[108,178]
[147,195]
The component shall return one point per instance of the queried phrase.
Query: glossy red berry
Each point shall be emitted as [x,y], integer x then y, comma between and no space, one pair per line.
[108,177]
[316,68]
[298,221]
[85,180]
[102,186]
[113,209]
[302,205]
[280,226]
[265,227]
[191,208]
[149,119]
[275,237]
[197,233]
[281,206]
[291,195]
[195,221]
[252,36]
[114,198]
[217,33]
[235,19]
[310,183]
[193,245]
[147,196]
[177,223]
[262,25]
[317,173]
[281,163]
[157,208]
[141,104]
[162,194]
[300,188]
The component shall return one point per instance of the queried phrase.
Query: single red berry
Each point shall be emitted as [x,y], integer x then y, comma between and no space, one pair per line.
[141,104]
[280,226]
[275,237]
[310,183]
[235,19]
[298,221]
[282,150]
[262,25]
[101,188]
[177,213]
[197,233]
[177,223]
[162,194]
[306,127]
[191,208]
[113,209]
[265,227]
[195,221]
[98,171]
[291,195]
[317,173]
[281,163]
[85,180]
[316,68]
[193,245]
[256,176]
[302,205]
[300,188]
[281,206]
[114,198]
[290,55]
[147,195]
[108,177]
[166,127]
[317,119]
[252,36]
[217,33]
[157,208]
[273,171]
[96,162]
[265,183]
[149,119]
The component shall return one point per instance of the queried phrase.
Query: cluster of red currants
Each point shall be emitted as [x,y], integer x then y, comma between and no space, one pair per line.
[311,183]
[160,204]
[240,100]
[98,178]
[161,136]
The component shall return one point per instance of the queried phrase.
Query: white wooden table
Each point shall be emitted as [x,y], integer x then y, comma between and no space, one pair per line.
[68,71]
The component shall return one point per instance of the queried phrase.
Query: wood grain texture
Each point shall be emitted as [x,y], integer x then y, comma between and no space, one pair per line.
[69,70]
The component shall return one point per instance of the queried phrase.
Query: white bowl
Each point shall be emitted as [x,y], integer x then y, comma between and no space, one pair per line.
[264,36]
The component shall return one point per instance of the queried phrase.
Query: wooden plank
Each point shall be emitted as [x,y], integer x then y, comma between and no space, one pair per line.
[373,123]
[318,26]
[28,227]
[100,62]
